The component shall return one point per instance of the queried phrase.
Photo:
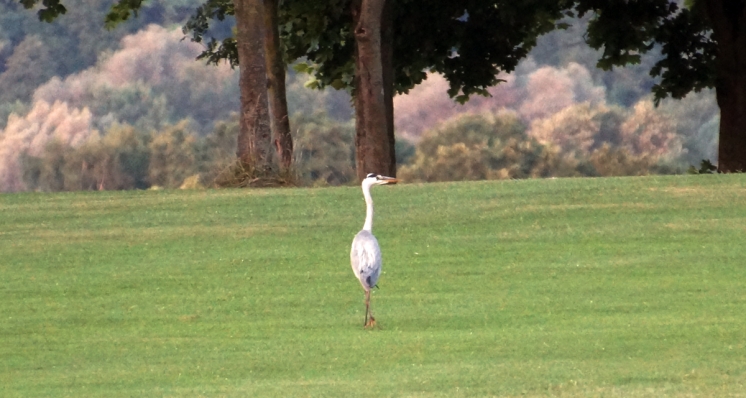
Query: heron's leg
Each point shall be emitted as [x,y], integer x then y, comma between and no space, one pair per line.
[369,320]
[367,307]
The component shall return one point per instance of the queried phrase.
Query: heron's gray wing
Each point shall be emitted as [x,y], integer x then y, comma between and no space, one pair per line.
[365,258]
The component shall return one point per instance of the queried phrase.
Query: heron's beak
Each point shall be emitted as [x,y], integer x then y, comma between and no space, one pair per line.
[389,180]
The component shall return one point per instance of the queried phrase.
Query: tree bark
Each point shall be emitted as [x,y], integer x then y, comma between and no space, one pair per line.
[373,147]
[278,106]
[728,18]
[254,137]
[387,64]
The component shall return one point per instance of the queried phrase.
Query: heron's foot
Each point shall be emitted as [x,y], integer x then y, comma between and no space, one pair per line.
[371,323]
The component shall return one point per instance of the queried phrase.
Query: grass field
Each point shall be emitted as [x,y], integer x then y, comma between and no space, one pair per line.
[610,287]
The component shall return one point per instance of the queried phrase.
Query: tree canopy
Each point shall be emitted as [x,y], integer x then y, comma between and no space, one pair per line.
[702,42]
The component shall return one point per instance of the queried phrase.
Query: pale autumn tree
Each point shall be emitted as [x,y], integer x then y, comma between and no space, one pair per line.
[572,129]
[151,81]
[30,134]
[550,90]
[648,131]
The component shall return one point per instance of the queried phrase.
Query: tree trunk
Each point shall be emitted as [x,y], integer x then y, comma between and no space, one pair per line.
[373,148]
[254,137]
[278,105]
[387,64]
[728,19]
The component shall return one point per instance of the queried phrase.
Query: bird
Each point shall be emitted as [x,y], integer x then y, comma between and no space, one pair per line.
[365,255]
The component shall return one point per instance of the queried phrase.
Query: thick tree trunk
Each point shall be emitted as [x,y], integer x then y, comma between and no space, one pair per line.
[373,148]
[254,137]
[387,64]
[278,105]
[728,19]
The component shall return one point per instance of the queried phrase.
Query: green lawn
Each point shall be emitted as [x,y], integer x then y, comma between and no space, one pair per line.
[612,287]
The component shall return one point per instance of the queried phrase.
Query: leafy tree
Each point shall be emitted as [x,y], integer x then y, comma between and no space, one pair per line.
[484,146]
[31,134]
[119,160]
[579,131]
[647,131]
[465,47]
[254,146]
[696,120]
[75,41]
[609,161]
[9,108]
[324,151]
[215,151]
[581,140]
[703,46]
[572,129]
[150,81]
[256,48]
[29,66]
[44,173]
[173,156]
[471,42]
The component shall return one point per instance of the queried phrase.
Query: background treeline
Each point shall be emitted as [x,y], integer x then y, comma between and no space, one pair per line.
[82,107]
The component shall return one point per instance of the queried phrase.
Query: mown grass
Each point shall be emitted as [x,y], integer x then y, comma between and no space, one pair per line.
[574,287]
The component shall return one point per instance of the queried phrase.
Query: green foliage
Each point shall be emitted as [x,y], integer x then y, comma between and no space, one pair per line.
[49,12]
[697,119]
[335,104]
[624,29]
[458,40]
[121,11]
[580,140]
[126,157]
[610,161]
[216,151]
[139,104]
[689,55]
[613,287]
[324,149]
[8,108]
[119,160]
[198,26]
[30,65]
[627,29]
[77,38]
[172,156]
[705,167]
[404,151]
[150,82]
[319,32]
[478,147]
[45,174]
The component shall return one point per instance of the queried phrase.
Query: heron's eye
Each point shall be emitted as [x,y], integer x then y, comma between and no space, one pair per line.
[371,175]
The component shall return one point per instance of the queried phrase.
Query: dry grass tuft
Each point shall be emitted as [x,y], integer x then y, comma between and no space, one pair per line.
[242,175]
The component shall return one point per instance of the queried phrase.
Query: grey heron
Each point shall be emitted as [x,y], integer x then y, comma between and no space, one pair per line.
[365,255]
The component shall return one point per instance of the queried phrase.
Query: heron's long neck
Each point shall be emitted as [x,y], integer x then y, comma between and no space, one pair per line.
[369,210]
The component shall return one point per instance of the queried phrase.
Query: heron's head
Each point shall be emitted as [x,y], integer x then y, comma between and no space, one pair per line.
[377,179]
